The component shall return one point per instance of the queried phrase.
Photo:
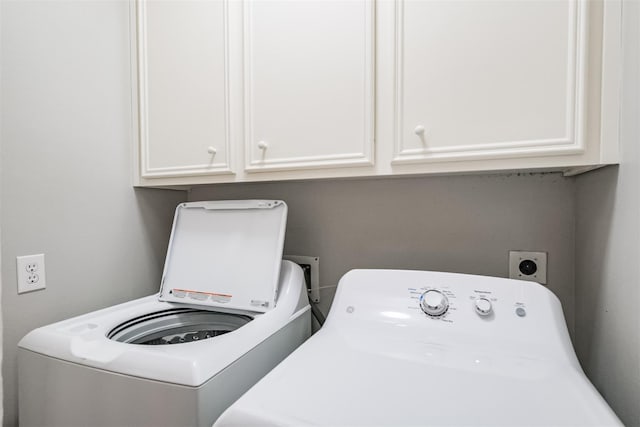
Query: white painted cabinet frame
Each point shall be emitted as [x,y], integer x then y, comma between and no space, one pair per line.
[280,90]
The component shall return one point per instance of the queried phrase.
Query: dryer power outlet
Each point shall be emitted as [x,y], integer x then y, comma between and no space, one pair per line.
[525,265]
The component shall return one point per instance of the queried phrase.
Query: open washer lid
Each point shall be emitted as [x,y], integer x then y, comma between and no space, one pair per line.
[225,254]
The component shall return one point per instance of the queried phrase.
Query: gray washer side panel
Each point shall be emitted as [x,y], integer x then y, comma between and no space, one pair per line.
[53,392]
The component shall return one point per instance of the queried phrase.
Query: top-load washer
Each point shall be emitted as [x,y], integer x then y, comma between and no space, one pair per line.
[228,311]
[409,348]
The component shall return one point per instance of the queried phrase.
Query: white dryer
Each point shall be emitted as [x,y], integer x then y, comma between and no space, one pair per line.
[228,311]
[409,348]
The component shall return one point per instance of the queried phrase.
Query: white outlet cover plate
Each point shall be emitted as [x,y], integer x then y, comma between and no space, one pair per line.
[30,273]
[540,258]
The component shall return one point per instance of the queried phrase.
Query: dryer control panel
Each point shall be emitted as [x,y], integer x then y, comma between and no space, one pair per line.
[439,300]
[489,313]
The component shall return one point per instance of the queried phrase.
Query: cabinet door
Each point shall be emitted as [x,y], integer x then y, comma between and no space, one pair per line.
[489,79]
[183,87]
[308,84]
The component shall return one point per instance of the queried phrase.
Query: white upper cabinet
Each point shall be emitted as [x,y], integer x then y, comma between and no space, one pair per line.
[489,79]
[309,99]
[183,88]
[250,90]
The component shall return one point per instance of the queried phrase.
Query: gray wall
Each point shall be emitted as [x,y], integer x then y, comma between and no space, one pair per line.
[608,253]
[66,168]
[463,224]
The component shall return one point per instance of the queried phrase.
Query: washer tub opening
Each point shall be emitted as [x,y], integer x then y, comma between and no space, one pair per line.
[176,326]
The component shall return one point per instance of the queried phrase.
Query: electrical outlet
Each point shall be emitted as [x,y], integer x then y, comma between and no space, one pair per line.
[311,268]
[30,273]
[530,266]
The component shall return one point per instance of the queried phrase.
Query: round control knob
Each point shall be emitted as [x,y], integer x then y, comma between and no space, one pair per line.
[434,303]
[483,307]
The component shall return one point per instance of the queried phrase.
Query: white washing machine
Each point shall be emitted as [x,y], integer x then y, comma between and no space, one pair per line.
[228,311]
[409,348]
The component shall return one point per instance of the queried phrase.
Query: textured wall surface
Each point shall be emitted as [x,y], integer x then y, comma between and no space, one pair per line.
[66,169]
[608,252]
[463,224]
